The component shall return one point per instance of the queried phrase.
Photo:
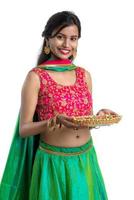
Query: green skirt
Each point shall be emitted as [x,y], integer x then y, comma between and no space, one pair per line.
[64,173]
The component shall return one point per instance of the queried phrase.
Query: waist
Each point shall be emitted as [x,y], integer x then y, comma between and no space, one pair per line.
[66,151]
[65,137]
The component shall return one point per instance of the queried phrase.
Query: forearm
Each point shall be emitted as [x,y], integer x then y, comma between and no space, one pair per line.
[32,128]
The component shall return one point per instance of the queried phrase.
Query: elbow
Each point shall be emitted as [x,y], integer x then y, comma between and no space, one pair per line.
[22,132]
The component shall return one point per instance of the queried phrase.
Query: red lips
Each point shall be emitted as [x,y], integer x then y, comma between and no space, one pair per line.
[64,51]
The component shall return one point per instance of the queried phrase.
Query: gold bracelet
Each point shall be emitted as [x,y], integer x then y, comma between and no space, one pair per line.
[51,124]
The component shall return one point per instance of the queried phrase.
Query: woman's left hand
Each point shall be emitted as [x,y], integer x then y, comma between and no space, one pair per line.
[106,111]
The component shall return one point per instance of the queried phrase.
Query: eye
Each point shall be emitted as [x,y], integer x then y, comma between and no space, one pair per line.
[60,37]
[74,38]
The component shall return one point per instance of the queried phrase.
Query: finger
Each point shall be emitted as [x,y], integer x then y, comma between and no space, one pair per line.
[70,124]
[64,117]
[64,122]
[111,113]
[101,113]
[106,111]
[70,119]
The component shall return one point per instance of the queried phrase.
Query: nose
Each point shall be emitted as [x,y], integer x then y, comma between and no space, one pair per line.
[66,42]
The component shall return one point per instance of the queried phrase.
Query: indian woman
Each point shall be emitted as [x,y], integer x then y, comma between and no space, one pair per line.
[63,161]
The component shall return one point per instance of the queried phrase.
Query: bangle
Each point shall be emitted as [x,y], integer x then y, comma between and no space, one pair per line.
[51,124]
[58,122]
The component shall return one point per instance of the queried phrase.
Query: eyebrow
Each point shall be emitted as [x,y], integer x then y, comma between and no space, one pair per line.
[65,35]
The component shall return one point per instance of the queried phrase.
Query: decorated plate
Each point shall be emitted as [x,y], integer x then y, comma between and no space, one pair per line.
[96,120]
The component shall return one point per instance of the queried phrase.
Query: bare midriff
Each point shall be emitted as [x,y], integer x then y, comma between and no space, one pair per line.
[66,137]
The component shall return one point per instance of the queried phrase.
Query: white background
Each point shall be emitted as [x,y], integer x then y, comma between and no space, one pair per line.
[106,49]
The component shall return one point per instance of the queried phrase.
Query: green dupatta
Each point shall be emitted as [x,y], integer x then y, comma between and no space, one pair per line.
[16,178]
[17,174]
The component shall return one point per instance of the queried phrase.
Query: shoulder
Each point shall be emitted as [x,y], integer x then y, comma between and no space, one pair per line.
[87,77]
[33,74]
[35,71]
[32,78]
[86,73]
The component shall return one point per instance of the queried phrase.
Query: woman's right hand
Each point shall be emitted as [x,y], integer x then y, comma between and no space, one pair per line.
[68,122]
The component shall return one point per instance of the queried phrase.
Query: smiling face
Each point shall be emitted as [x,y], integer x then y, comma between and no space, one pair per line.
[65,43]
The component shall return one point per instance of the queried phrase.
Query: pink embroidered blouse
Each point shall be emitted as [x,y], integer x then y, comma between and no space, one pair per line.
[53,98]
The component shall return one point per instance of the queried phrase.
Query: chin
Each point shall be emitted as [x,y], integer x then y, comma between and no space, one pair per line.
[62,57]
[65,57]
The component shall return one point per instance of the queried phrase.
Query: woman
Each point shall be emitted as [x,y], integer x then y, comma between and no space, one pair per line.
[65,164]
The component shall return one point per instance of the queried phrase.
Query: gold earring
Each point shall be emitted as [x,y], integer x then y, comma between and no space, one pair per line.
[46,50]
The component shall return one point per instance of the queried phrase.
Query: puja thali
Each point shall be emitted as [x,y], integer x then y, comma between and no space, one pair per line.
[97,120]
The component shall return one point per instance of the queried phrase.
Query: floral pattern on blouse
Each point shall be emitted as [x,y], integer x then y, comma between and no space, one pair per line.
[54,98]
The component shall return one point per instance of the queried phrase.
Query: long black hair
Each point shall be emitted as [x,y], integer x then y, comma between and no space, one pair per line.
[55,23]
